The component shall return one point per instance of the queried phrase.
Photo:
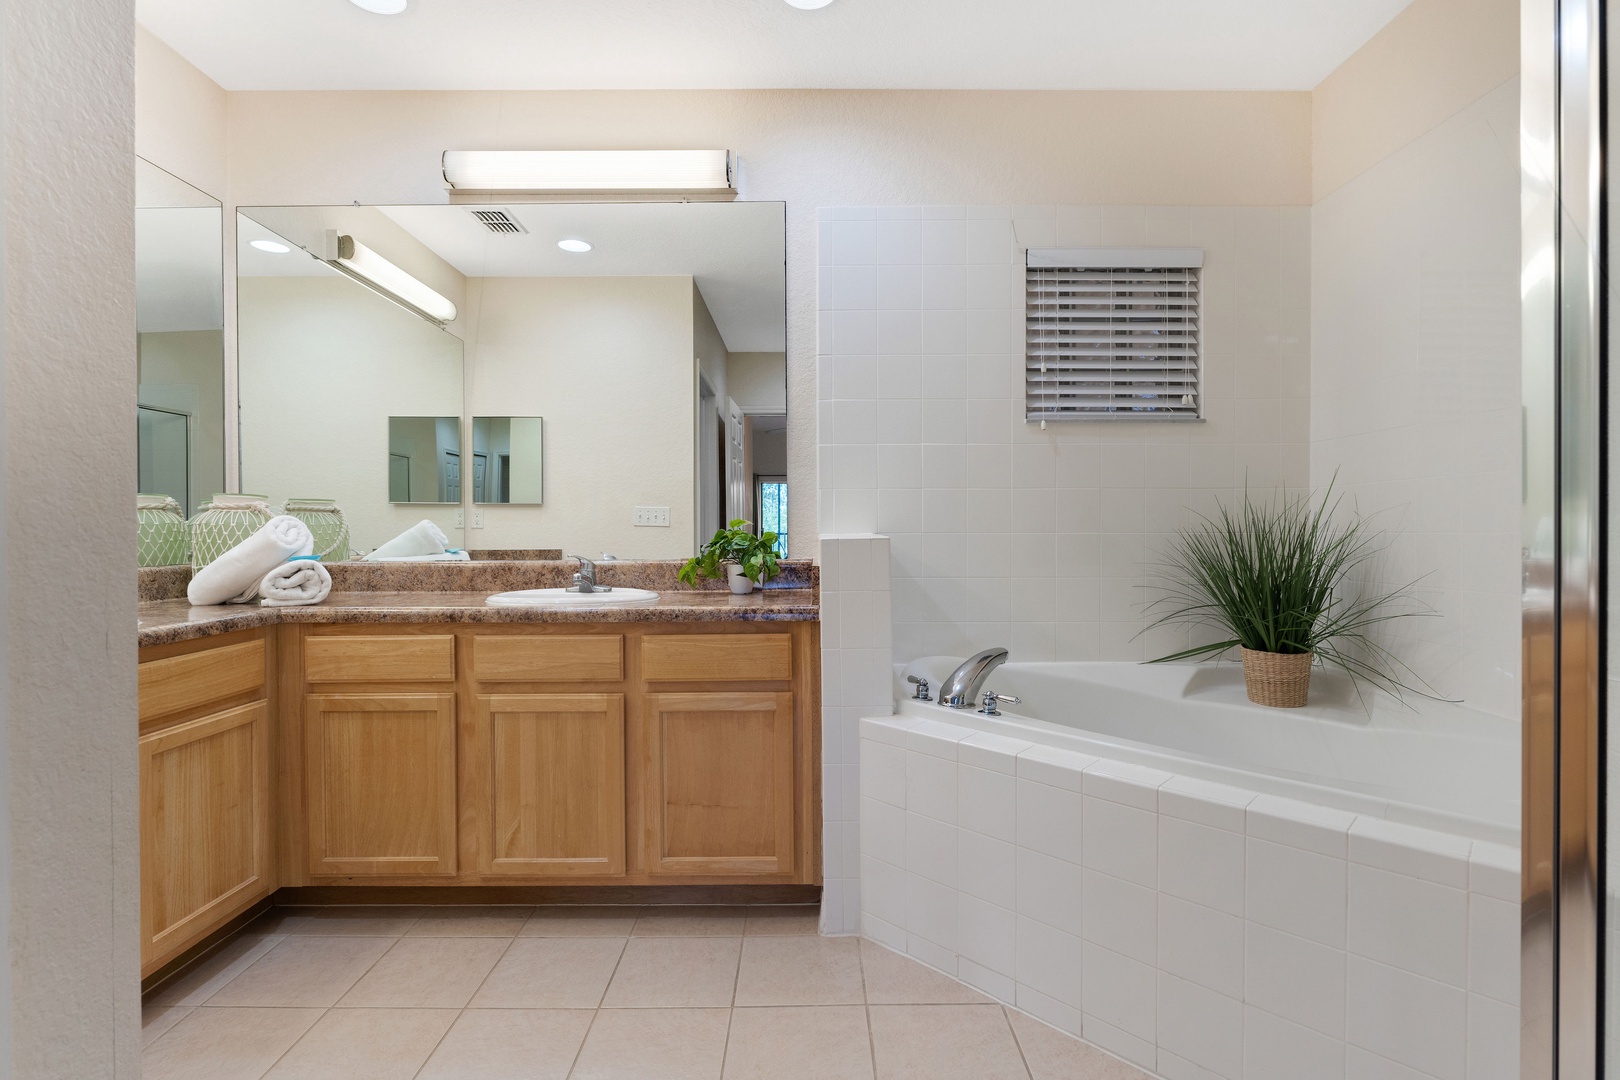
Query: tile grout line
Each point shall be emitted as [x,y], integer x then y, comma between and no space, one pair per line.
[463,1010]
[866,1006]
[602,997]
[731,1012]
[1018,1044]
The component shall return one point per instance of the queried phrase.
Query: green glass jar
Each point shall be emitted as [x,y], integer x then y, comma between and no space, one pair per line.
[224,522]
[326,523]
[161,534]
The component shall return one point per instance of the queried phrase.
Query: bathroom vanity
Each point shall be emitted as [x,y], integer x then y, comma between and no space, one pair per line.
[426,739]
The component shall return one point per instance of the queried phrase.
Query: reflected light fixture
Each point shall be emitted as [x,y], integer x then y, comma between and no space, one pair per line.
[802,5]
[576,246]
[671,171]
[371,269]
[269,245]
[380,7]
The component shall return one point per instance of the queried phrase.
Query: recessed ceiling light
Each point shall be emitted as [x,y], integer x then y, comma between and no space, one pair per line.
[380,7]
[271,246]
[575,246]
[803,5]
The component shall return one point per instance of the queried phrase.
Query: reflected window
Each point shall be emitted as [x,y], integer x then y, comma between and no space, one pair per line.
[773,510]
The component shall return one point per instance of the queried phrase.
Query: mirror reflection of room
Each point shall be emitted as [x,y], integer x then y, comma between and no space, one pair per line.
[610,377]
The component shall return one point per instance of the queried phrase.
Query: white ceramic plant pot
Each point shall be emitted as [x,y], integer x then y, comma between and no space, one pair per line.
[740,584]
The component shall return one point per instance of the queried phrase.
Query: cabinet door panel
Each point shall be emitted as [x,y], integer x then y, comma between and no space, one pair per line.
[551,774]
[381,783]
[205,817]
[719,783]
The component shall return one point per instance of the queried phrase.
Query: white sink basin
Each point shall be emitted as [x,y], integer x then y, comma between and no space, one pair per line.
[566,598]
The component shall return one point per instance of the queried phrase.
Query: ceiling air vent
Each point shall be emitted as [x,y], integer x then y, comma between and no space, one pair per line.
[499,221]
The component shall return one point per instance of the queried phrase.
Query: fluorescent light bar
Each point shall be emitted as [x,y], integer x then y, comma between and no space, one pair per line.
[376,271]
[588,170]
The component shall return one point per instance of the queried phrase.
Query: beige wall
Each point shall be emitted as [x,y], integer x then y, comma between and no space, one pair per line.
[325,363]
[179,116]
[758,381]
[1433,60]
[811,149]
[184,369]
[69,983]
[608,363]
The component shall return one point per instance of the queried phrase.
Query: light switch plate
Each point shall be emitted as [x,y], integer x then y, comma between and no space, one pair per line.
[651,516]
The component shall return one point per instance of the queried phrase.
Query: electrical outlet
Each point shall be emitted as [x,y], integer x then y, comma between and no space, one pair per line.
[652,516]
[461,519]
[478,517]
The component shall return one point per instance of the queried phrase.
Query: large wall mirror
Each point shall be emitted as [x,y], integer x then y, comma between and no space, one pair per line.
[617,370]
[179,339]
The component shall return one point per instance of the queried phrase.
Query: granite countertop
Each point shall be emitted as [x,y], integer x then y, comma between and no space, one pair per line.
[163,622]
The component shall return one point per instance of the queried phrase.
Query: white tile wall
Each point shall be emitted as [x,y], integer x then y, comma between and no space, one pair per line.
[1415,397]
[1196,929]
[856,663]
[1003,533]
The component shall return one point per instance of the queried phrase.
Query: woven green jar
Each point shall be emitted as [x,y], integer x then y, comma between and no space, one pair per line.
[326,523]
[223,523]
[161,534]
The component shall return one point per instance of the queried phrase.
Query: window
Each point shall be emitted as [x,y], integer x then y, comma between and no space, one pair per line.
[1113,334]
[773,510]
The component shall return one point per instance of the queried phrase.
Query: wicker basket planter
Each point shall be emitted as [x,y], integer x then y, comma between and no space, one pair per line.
[1280,680]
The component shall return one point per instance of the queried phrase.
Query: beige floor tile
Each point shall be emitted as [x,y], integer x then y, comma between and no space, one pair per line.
[780,920]
[509,1044]
[820,1043]
[426,973]
[670,1044]
[156,1019]
[681,921]
[303,972]
[365,1044]
[675,973]
[225,1044]
[1054,1055]
[944,1042]
[580,922]
[203,980]
[800,971]
[892,979]
[459,921]
[350,920]
[550,973]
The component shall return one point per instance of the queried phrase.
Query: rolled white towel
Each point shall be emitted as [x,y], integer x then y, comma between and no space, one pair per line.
[300,580]
[234,577]
[453,555]
[423,538]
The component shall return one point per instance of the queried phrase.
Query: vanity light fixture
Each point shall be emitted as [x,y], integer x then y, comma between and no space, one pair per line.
[578,247]
[369,268]
[666,171]
[380,7]
[269,245]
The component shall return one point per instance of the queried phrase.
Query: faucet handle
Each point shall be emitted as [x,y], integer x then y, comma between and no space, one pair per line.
[991,699]
[922,688]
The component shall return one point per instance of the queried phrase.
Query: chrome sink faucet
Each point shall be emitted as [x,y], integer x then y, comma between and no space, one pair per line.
[961,689]
[585,580]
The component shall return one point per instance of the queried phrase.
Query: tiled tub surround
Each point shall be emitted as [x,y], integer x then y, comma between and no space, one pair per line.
[1197,929]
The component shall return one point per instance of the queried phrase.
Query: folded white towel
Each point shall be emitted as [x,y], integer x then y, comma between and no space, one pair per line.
[423,538]
[294,582]
[234,577]
[454,555]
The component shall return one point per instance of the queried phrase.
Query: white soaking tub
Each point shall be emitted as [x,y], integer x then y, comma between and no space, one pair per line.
[1206,887]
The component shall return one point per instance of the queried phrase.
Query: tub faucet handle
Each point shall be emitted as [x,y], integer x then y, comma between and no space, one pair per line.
[991,698]
[922,688]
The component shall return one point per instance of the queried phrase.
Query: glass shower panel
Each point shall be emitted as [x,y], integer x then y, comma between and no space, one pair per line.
[163,452]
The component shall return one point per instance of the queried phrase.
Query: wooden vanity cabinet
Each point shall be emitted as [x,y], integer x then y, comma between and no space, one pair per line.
[205,748]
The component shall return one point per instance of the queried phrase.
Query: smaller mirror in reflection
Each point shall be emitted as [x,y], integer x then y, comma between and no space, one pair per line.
[506,457]
[424,459]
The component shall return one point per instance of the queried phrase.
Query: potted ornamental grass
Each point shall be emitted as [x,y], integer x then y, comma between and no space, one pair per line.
[737,554]
[1286,582]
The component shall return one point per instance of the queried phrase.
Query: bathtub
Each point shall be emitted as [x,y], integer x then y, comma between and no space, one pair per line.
[1204,887]
[1431,764]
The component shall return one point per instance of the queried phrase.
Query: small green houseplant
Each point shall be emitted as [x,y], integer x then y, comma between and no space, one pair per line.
[736,553]
[1274,580]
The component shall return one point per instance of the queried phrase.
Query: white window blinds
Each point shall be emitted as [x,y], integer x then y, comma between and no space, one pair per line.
[1113,334]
